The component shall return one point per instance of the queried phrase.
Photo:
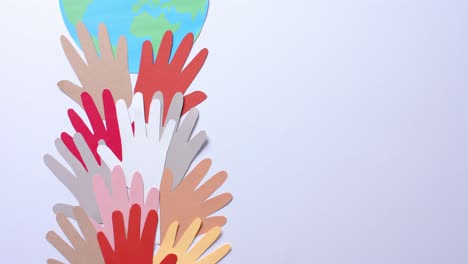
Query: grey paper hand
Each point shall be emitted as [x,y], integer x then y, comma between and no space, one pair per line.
[183,149]
[80,182]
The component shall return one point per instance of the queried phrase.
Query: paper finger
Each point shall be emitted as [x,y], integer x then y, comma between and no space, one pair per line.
[75,60]
[182,52]
[188,125]
[92,113]
[148,235]
[198,142]
[175,109]
[84,223]
[122,52]
[54,261]
[74,163]
[167,135]
[154,118]
[194,177]
[86,42]
[215,204]
[193,99]
[164,52]
[211,222]
[208,188]
[72,90]
[104,202]
[147,56]
[119,191]
[193,68]
[106,248]
[152,199]
[104,43]
[125,125]
[216,256]
[108,156]
[137,190]
[86,154]
[60,244]
[166,182]
[170,259]
[119,228]
[64,209]
[206,242]
[189,235]
[139,116]
[69,230]
[134,223]
[170,235]
[67,178]
[78,124]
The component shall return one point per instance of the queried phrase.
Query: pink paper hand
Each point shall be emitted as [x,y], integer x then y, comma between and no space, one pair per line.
[121,200]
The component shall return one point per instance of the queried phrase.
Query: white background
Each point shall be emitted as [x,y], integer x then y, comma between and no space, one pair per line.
[343,125]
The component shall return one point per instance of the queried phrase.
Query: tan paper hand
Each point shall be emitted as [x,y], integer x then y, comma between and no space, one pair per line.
[184,256]
[99,72]
[187,202]
[83,250]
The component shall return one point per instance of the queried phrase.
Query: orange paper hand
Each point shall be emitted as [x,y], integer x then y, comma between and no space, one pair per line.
[187,202]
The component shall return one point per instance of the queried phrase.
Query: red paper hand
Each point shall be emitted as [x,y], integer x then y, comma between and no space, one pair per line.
[170,77]
[133,247]
[108,131]
[169,259]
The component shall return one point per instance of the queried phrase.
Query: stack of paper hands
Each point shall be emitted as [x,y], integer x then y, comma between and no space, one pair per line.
[129,168]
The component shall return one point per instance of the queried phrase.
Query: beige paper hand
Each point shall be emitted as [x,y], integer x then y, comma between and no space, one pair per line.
[187,202]
[99,72]
[192,256]
[83,250]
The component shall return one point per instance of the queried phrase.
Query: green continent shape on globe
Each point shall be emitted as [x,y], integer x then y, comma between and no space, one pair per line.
[75,10]
[184,6]
[145,25]
[140,3]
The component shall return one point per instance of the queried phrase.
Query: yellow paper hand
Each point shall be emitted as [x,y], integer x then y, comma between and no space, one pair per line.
[192,256]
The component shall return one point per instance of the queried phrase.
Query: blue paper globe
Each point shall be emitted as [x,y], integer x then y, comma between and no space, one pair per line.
[137,20]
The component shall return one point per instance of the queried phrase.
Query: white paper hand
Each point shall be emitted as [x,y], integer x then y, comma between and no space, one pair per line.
[145,150]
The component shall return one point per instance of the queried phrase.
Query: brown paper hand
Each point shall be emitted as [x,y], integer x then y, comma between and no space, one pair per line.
[187,202]
[99,72]
[83,250]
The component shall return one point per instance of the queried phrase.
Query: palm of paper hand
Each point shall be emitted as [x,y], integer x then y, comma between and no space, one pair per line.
[144,150]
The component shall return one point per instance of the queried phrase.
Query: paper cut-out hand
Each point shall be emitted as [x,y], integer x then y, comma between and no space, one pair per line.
[121,199]
[80,181]
[187,202]
[170,259]
[183,149]
[99,72]
[170,77]
[83,250]
[107,130]
[185,256]
[145,150]
[131,245]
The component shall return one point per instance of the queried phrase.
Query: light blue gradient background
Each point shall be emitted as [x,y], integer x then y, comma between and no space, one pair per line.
[343,125]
